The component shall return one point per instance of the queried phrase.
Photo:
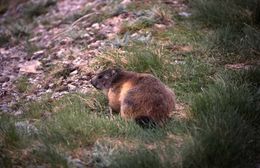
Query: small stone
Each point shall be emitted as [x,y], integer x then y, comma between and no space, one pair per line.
[37,55]
[74,72]
[94,45]
[51,85]
[126,2]
[185,14]
[86,35]
[72,87]
[160,27]
[96,26]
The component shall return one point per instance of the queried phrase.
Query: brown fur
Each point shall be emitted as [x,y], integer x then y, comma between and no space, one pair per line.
[136,95]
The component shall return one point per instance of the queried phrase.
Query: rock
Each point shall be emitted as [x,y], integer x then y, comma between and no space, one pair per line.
[4,79]
[185,14]
[74,72]
[160,27]
[30,66]
[96,44]
[38,54]
[125,2]
[96,26]
[86,35]
[72,87]
[179,62]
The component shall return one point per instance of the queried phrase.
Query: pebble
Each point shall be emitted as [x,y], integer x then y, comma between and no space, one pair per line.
[95,26]
[72,87]
[74,72]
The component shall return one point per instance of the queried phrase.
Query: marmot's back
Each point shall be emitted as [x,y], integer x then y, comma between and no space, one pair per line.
[136,95]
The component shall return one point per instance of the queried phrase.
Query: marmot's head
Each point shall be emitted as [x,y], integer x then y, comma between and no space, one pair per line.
[104,79]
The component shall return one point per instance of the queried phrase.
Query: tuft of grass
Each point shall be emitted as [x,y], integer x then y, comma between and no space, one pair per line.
[9,135]
[223,126]
[62,71]
[33,9]
[139,24]
[147,19]
[74,124]
[31,47]
[22,84]
[38,109]
[221,13]
[141,158]
[4,36]
[49,154]
[74,16]
[19,29]
[162,15]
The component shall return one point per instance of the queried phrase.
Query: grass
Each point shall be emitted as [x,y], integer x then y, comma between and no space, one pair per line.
[155,15]
[4,37]
[22,84]
[34,9]
[141,158]
[235,24]
[224,116]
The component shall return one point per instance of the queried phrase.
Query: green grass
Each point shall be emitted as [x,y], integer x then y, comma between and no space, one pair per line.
[22,84]
[235,25]
[155,15]
[4,37]
[141,158]
[224,124]
[19,29]
[33,9]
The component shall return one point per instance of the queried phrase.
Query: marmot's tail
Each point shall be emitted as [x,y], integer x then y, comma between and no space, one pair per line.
[145,122]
